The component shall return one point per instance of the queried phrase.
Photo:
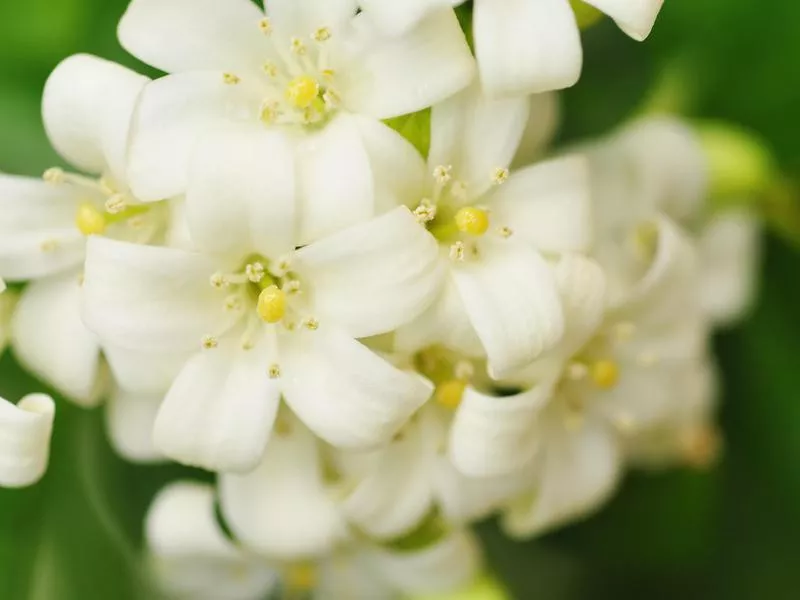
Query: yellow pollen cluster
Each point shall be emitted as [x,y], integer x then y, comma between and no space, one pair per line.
[302,91]
[89,220]
[301,577]
[605,374]
[471,220]
[449,393]
[272,304]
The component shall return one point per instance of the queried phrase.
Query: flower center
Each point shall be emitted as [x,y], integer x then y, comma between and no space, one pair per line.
[448,371]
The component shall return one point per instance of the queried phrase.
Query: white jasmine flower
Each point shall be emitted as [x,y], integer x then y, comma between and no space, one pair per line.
[497,295]
[524,46]
[191,558]
[251,319]
[306,67]
[44,224]
[25,431]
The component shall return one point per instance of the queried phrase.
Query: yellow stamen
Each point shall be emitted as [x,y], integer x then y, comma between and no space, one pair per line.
[230,78]
[90,220]
[474,221]
[323,34]
[302,91]
[265,25]
[272,304]
[449,393]
[605,374]
[301,577]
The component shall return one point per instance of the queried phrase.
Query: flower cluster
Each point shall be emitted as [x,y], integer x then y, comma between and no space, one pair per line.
[373,340]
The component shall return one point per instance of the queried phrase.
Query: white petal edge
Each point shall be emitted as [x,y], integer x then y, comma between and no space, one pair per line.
[634,17]
[130,419]
[25,431]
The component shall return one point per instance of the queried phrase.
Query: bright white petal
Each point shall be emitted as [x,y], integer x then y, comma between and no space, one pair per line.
[511,297]
[335,187]
[543,123]
[373,277]
[130,419]
[345,393]
[282,509]
[150,372]
[191,35]
[635,17]
[547,205]
[393,76]
[87,107]
[303,17]
[526,47]
[25,439]
[241,194]
[150,299]
[192,559]
[476,136]
[50,339]
[38,236]
[582,286]
[398,17]
[494,436]
[173,114]
[219,412]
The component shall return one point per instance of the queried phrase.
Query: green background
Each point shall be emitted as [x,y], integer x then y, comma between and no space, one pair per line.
[733,533]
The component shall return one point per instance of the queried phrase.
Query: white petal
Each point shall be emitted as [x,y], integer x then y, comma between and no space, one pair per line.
[635,17]
[335,188]
[526,47]
[281,508]
[398,17]
[150,299]
[191,556]
[241,194]
[130,419]
[150,372]
[50,339]
[87,107]
[25,439]
[582,286]
[393,76]
[445,566]
[175,112]
[547,205]
[38,236]
[580,470]
[543,123]
[303,17]
[347,575]
[492,435]
[373,277]
[188,35]
[512,300]
[219,412]
[729,259]
[345,393]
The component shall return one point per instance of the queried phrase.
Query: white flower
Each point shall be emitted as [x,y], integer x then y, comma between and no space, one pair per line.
[524,46]
[494,230]
[248,318]
[307,68]
[25,431]
[88,103]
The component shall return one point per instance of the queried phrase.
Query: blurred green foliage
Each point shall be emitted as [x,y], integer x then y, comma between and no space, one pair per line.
[728,534]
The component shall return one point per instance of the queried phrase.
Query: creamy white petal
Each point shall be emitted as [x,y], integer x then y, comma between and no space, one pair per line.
[580,470]
[301,18]
[334,179]
[582,286]
[87,107]
[373,277]
[512,300]
[345,393]
[635,17]
[219,412]
[542,126]
[729,256]
[392,76]
[50,339]
[173,114]
[447,565]
[191,557]
[476,135]
[146,298]
[547,205]
[25,439]
[282,509]
[191,35]
[398,17]
[493,435]
[526,47]
[130,418]
[149,372]
[38,236]
[241,197]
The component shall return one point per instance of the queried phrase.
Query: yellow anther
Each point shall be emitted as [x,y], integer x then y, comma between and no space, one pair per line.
[605,374]
[49,245]
[89,220]
[274,371]
[474,221]
[328,73]
[450,393]
[505,232]
[443,173]
[54,175]
[272,304]
[302,91]
[268,113]
[270,69]
[210,342]
[500,175]
[585,15]
[265,25]
[311,324]
[458,251]
[116,204]
[254,272]
[323,34]
[230,78]
[298,47]
[301,577]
